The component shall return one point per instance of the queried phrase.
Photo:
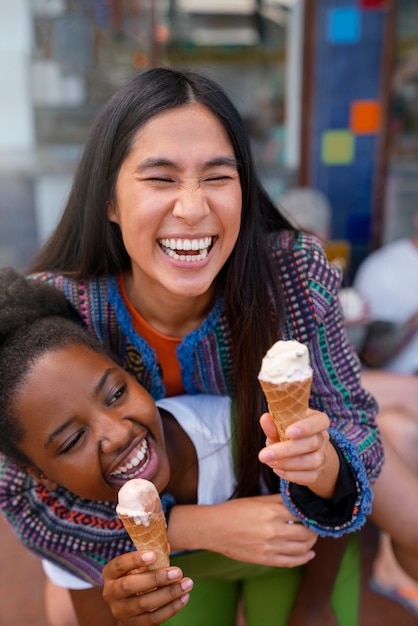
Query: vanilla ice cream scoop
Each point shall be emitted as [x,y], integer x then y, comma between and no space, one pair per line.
[139,508]
[286,378]
[138,498]
[285,362]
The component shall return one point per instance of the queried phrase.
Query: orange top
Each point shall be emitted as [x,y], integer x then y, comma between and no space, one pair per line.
[163,345]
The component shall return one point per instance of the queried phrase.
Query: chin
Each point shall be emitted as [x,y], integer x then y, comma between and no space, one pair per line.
[192,289]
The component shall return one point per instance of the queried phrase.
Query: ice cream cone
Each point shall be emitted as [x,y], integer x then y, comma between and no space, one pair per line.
[151,537]
[286,378]
[287,402]
[139,508]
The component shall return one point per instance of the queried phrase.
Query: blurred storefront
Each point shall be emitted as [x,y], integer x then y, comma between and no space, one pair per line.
[243,44]
[360,116]
[401,197]
[294,68]
[69,56]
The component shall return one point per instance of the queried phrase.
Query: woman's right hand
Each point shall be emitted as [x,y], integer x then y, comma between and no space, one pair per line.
[255,530]
[141,597]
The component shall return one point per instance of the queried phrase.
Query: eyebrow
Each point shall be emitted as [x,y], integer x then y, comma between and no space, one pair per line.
[103,380]
[68,422]
[58,431]
[162,162]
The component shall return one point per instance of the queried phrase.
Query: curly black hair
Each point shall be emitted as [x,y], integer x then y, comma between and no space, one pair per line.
[35,318]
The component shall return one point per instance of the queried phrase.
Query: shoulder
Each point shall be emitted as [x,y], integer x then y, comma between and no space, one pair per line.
[301,259]
[75,289]
[309,284]
[90,297]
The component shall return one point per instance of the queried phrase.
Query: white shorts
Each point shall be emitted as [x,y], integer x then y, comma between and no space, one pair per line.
[61,578]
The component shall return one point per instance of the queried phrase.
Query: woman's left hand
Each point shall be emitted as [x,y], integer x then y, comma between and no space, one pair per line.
[307,457]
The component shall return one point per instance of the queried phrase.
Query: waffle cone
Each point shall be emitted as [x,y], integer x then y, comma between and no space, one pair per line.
[287,402]
[151,537]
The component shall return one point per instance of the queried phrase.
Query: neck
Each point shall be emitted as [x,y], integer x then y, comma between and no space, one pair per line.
[183,461]
[171,315]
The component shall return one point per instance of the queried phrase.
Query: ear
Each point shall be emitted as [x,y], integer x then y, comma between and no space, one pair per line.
[111,212]
[51,485]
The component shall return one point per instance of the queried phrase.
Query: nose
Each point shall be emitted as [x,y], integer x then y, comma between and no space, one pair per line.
[114,433]
[191,205]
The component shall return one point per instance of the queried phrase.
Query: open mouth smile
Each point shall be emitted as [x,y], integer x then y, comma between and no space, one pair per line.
[190,250]
[134,465]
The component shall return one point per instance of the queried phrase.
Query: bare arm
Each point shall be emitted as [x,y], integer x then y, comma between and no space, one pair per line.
[395,488]
[255,530]
[90,607]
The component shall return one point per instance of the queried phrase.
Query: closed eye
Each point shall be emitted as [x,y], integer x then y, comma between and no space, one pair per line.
[116,394]
[218,178]
[159,179]
[73,441]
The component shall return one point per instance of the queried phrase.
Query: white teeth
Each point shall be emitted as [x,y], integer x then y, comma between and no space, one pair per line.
[187,257]
[172,247]
[187,244]
[134,461]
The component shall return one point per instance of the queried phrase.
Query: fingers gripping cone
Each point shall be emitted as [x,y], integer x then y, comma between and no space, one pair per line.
[286,380]
[151,537]
[139,508]
[287,402]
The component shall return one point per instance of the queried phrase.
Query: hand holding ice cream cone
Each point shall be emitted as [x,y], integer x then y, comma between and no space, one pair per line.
[306,455]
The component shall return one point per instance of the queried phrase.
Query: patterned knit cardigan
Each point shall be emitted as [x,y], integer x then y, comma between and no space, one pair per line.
[81,536]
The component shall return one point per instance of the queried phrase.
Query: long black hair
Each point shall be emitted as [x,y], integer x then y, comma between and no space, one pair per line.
[83,234]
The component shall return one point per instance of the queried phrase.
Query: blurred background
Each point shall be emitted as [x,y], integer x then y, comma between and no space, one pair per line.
[327,88]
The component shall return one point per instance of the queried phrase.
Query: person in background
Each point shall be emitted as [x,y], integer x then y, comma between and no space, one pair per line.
[388,282]
[177,259]
[309,209]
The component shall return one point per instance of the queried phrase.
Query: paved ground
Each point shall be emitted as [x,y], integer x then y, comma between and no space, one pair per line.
[21,583]
[21,587]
